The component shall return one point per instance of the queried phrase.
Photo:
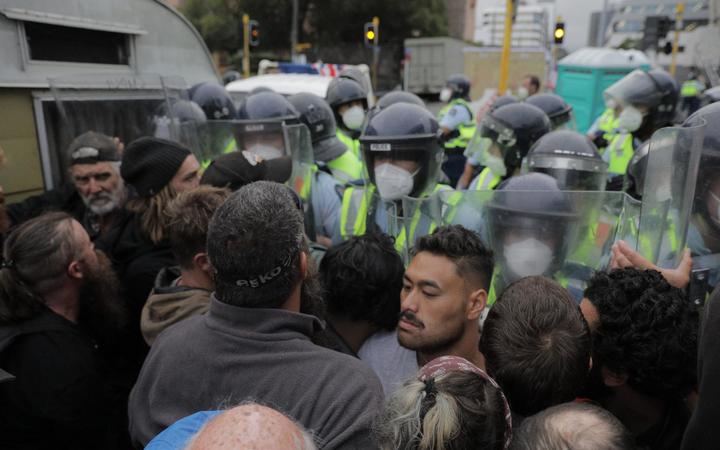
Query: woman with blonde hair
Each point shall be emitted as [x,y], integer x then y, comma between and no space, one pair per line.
[451,405]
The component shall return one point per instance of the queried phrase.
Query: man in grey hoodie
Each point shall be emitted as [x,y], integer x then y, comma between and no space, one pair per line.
[184,291]
[254,342]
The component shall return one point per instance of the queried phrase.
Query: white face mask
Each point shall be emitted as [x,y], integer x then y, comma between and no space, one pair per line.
[353,118]
[522,93]
[610,103]
[528,257]
[265,151]
[393,182]
[445,94]
[630,119]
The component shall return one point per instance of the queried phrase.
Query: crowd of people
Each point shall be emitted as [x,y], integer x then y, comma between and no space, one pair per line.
[257,293]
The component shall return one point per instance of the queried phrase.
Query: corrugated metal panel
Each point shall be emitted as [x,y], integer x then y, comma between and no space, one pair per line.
[70,21]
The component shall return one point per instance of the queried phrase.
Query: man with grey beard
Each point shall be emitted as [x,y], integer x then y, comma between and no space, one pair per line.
[255,341]
[96,194]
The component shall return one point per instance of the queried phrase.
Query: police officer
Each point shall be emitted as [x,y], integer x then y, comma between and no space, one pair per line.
[571,158]
[602,130]
[348,100]
[557,109]
[214,101]
[504,139]
[530,223]
[403,156]
[690,92]
[457,123]
[260,130]
[330,153]
[167,122]
[645,102]
[704,232]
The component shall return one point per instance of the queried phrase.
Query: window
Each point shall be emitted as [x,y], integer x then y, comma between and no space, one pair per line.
[68,44]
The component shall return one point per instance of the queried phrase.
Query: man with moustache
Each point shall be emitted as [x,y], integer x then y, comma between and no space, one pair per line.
[96,194]
[58,315]
[443,296]
[255,342]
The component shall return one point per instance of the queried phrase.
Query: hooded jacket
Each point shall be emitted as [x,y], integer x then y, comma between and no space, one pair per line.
[170,303]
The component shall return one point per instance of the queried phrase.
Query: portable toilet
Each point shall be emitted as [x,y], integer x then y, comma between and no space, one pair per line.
[584,75]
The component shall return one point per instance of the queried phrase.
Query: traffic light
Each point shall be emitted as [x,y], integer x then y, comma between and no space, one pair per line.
[254,33]
[655,29]
[559,33]
[664,25]
[371,34]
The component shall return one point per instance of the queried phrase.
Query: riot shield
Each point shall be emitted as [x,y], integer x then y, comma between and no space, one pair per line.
[667,195]
[418,217]
[566,235]
[120,106]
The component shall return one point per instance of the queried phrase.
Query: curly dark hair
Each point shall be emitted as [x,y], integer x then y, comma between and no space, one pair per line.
[463,247]
[648,331]
[362,279]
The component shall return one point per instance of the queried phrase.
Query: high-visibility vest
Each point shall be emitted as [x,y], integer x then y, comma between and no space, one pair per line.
[352,144]
[619,153]
[466,129]
[691,88]
[487,180]
[346,167]
[608,124]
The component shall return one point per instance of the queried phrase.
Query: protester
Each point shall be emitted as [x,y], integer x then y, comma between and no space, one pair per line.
[254,343]
[361,280]
[96,195]
[58,312]
[248,426]
[572,426]
[184,290]
[452,404]
[644,353]
[536,345]
[443,296]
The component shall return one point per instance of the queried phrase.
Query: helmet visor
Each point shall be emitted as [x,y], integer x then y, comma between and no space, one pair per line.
[636,88]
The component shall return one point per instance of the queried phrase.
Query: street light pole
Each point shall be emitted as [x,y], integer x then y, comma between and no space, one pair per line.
[507,41]
[294,31]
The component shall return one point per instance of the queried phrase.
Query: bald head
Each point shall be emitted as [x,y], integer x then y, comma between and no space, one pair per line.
[251,427]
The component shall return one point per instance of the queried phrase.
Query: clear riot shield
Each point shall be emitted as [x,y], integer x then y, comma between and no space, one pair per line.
[121,106]
[418,217]
[566,235]
[668,191]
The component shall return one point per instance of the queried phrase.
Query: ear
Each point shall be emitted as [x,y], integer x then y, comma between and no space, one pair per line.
[75,271]
[476,304]
[612,379]
[202,262]
[303,265]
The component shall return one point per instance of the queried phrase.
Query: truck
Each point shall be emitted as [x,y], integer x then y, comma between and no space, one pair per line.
[429,61]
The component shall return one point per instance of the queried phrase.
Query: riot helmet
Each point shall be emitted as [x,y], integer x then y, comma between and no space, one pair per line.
[317,115]
[644,101]
[557,109]
[167,119]
[402,152]
[529,222]
[348,100]
[707,189]
[502,101]
[214,101]
[571,158]
[259,89]
[230,76]
[393,97]
[357,75]
[259,125]
[456,86]
[505,136]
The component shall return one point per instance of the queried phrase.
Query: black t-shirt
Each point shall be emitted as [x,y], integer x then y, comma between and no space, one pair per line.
[57,400]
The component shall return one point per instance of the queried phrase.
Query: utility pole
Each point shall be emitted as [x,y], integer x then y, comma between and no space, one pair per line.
[376,51]
[679,10]
[246,45]
[294,31]
[507,41]
[600,38]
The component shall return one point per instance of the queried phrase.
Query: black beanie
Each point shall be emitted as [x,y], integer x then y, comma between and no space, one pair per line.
[149,163]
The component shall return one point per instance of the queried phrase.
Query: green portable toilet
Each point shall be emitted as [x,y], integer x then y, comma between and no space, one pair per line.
[584,75]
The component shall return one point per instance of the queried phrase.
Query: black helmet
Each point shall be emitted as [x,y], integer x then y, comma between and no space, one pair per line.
[514,129]
[571,158]
[230,76]
[404,132]
[259,89]
[557,109]
[502,101]
[393,97]
[656,90]
[214,101]
[267,106]
[709,171]
[459,84]
[317,115]
[345,90]
[179,112]
[530,206]
[357,75]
